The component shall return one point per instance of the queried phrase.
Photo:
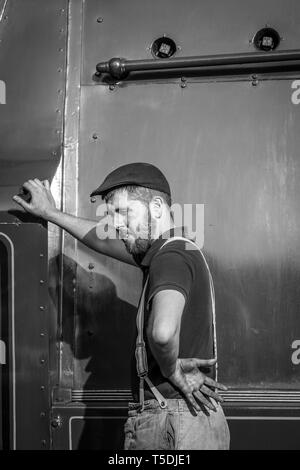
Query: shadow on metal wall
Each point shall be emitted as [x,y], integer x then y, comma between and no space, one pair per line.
[98,334]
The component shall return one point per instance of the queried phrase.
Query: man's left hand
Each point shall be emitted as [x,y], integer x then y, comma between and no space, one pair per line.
[194,384]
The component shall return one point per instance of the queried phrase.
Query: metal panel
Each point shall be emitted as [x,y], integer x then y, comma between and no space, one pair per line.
[67,177]
[32,65]
[26,339]
[128,28]
[83,428]
[234,148]
[101,428]
[6,411]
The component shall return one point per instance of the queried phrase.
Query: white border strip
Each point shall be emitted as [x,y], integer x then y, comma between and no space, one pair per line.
[265,418]
[13,333]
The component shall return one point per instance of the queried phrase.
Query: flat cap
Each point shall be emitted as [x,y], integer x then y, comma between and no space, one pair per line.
[139,174]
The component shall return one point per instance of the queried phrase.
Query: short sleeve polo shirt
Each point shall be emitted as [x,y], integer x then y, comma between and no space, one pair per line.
[177,266]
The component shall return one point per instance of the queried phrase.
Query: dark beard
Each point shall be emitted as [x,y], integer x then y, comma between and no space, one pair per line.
[139,248]
[140,245]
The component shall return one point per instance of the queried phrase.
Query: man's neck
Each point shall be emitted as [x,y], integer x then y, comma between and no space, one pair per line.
[164,227]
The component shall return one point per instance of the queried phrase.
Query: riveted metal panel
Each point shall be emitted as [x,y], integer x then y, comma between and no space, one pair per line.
[25,412]
[230,145]
[127,29]
[88,428]
[234,148]
[101,427]
[32,66]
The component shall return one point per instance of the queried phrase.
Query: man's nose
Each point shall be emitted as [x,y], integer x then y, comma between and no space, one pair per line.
[119,221]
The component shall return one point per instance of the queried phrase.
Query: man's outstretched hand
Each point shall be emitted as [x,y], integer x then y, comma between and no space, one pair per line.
[195,385]
[42,201]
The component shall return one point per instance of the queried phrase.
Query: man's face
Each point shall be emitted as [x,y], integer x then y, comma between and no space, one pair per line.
[131,220]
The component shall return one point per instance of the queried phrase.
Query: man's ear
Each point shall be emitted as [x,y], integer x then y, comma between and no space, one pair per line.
[156,207]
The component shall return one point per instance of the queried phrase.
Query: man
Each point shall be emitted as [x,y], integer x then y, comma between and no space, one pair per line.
[175,406]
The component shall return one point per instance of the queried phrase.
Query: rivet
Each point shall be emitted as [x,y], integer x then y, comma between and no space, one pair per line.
[54,153]
[42,388]
[59,70]
[43,443]
[41,255]
[99,20]
[95,136]
[41,280]
[91,266]
[42,307]
[42,415]
[42,335]
[93,199]
[112,87]
[42,361]
[56,422]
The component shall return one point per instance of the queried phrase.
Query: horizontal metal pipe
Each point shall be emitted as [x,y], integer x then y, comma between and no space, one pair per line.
[257,67]
[120,68]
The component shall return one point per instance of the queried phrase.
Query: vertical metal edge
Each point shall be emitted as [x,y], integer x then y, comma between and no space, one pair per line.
[43,328]
[70,164]
[54,232]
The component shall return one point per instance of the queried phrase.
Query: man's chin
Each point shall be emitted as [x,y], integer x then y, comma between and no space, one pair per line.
[138,247]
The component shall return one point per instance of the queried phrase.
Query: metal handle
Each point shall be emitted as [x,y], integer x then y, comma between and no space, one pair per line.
[120,68]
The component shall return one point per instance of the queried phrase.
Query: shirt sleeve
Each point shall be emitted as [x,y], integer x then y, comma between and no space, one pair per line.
[170,269]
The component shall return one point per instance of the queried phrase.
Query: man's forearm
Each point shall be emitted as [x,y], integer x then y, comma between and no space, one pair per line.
[165,353]
[99,236]
[76,226]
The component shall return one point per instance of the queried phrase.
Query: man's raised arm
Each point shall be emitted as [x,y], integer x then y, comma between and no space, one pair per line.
[89,232]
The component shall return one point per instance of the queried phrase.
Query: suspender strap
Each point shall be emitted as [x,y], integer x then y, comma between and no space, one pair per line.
[141,356]
[140,350]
